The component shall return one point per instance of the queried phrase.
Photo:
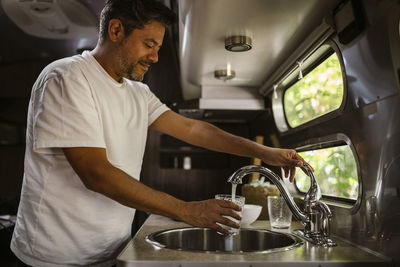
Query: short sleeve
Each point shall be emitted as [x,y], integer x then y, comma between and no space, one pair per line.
[155,107]
[65,115]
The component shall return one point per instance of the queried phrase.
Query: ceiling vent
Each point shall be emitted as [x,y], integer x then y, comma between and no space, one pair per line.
[53,19]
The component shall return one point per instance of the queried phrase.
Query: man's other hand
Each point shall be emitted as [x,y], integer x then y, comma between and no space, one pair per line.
[208,213]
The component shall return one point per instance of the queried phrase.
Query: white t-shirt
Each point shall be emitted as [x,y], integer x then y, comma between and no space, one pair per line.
[75,103]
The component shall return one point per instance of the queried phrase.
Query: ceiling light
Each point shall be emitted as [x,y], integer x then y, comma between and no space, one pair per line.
[238,43]
[224,74]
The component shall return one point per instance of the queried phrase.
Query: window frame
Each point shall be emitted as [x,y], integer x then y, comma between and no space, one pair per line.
[327,142]
[327,116]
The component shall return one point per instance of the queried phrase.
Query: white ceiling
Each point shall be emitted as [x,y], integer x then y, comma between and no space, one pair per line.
[277,27]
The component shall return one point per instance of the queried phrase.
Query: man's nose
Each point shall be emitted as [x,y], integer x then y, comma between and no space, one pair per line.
[153,57]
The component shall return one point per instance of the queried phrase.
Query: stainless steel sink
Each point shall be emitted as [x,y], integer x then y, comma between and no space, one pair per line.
[200,239]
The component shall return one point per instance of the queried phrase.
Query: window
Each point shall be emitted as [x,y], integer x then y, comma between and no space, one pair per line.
[318,93]
[335,171]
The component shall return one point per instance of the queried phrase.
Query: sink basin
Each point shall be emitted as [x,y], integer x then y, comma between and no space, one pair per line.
[207,240]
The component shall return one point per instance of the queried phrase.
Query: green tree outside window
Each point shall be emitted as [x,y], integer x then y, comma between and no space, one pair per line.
[335,171]
[318,93]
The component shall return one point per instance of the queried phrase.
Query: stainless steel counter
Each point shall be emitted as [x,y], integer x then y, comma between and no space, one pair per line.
[138,252]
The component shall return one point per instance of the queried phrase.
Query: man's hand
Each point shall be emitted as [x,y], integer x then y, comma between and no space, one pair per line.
[288,159]
[208,213]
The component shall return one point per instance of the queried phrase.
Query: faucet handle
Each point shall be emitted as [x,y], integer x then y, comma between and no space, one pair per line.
[307,167]
[314,193]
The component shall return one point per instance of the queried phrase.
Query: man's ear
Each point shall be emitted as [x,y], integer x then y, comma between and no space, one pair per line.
[115,30]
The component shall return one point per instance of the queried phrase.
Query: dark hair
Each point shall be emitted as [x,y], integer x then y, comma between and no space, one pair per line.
[134,14]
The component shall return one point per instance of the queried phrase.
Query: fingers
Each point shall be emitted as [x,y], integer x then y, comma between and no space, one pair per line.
[285,172]
[228,222]
[293,160]
[297,160]
[228,204]
[229,208]
[220,229]
[292,174]
[231,213]
[225,210]
[303,162]
[289,172]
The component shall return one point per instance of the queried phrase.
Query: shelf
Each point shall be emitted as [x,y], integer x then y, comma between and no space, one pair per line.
[186,149]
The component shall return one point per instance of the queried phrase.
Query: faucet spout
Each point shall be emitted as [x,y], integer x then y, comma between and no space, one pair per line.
[237,177]
[316,215]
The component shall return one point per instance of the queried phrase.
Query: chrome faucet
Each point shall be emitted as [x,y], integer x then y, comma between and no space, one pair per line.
[316,216]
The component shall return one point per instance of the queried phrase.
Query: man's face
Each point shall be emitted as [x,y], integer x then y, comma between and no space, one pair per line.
[140,49]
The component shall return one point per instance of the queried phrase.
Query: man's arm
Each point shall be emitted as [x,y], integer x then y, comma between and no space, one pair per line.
[206,135]
[99,175]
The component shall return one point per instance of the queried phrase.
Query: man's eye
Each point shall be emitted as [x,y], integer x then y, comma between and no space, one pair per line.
[148,46]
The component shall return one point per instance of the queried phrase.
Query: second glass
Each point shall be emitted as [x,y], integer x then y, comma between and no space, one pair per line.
[280,216]
[239,200]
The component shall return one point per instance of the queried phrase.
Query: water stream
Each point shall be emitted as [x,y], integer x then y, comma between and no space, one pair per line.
[234,192]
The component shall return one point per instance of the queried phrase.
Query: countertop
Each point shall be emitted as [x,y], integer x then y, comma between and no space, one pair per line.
[139,252]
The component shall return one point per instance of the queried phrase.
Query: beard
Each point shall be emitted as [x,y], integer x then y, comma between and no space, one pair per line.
[131,71]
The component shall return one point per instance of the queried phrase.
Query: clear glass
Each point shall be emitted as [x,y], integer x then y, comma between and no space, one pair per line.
[335,170]
[318,93]
[239,200]
[280,216]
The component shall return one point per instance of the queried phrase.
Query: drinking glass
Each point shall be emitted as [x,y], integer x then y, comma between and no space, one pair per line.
[280,216]
[239,200]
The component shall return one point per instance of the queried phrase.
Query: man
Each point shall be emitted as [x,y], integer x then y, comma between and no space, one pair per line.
[87,124]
